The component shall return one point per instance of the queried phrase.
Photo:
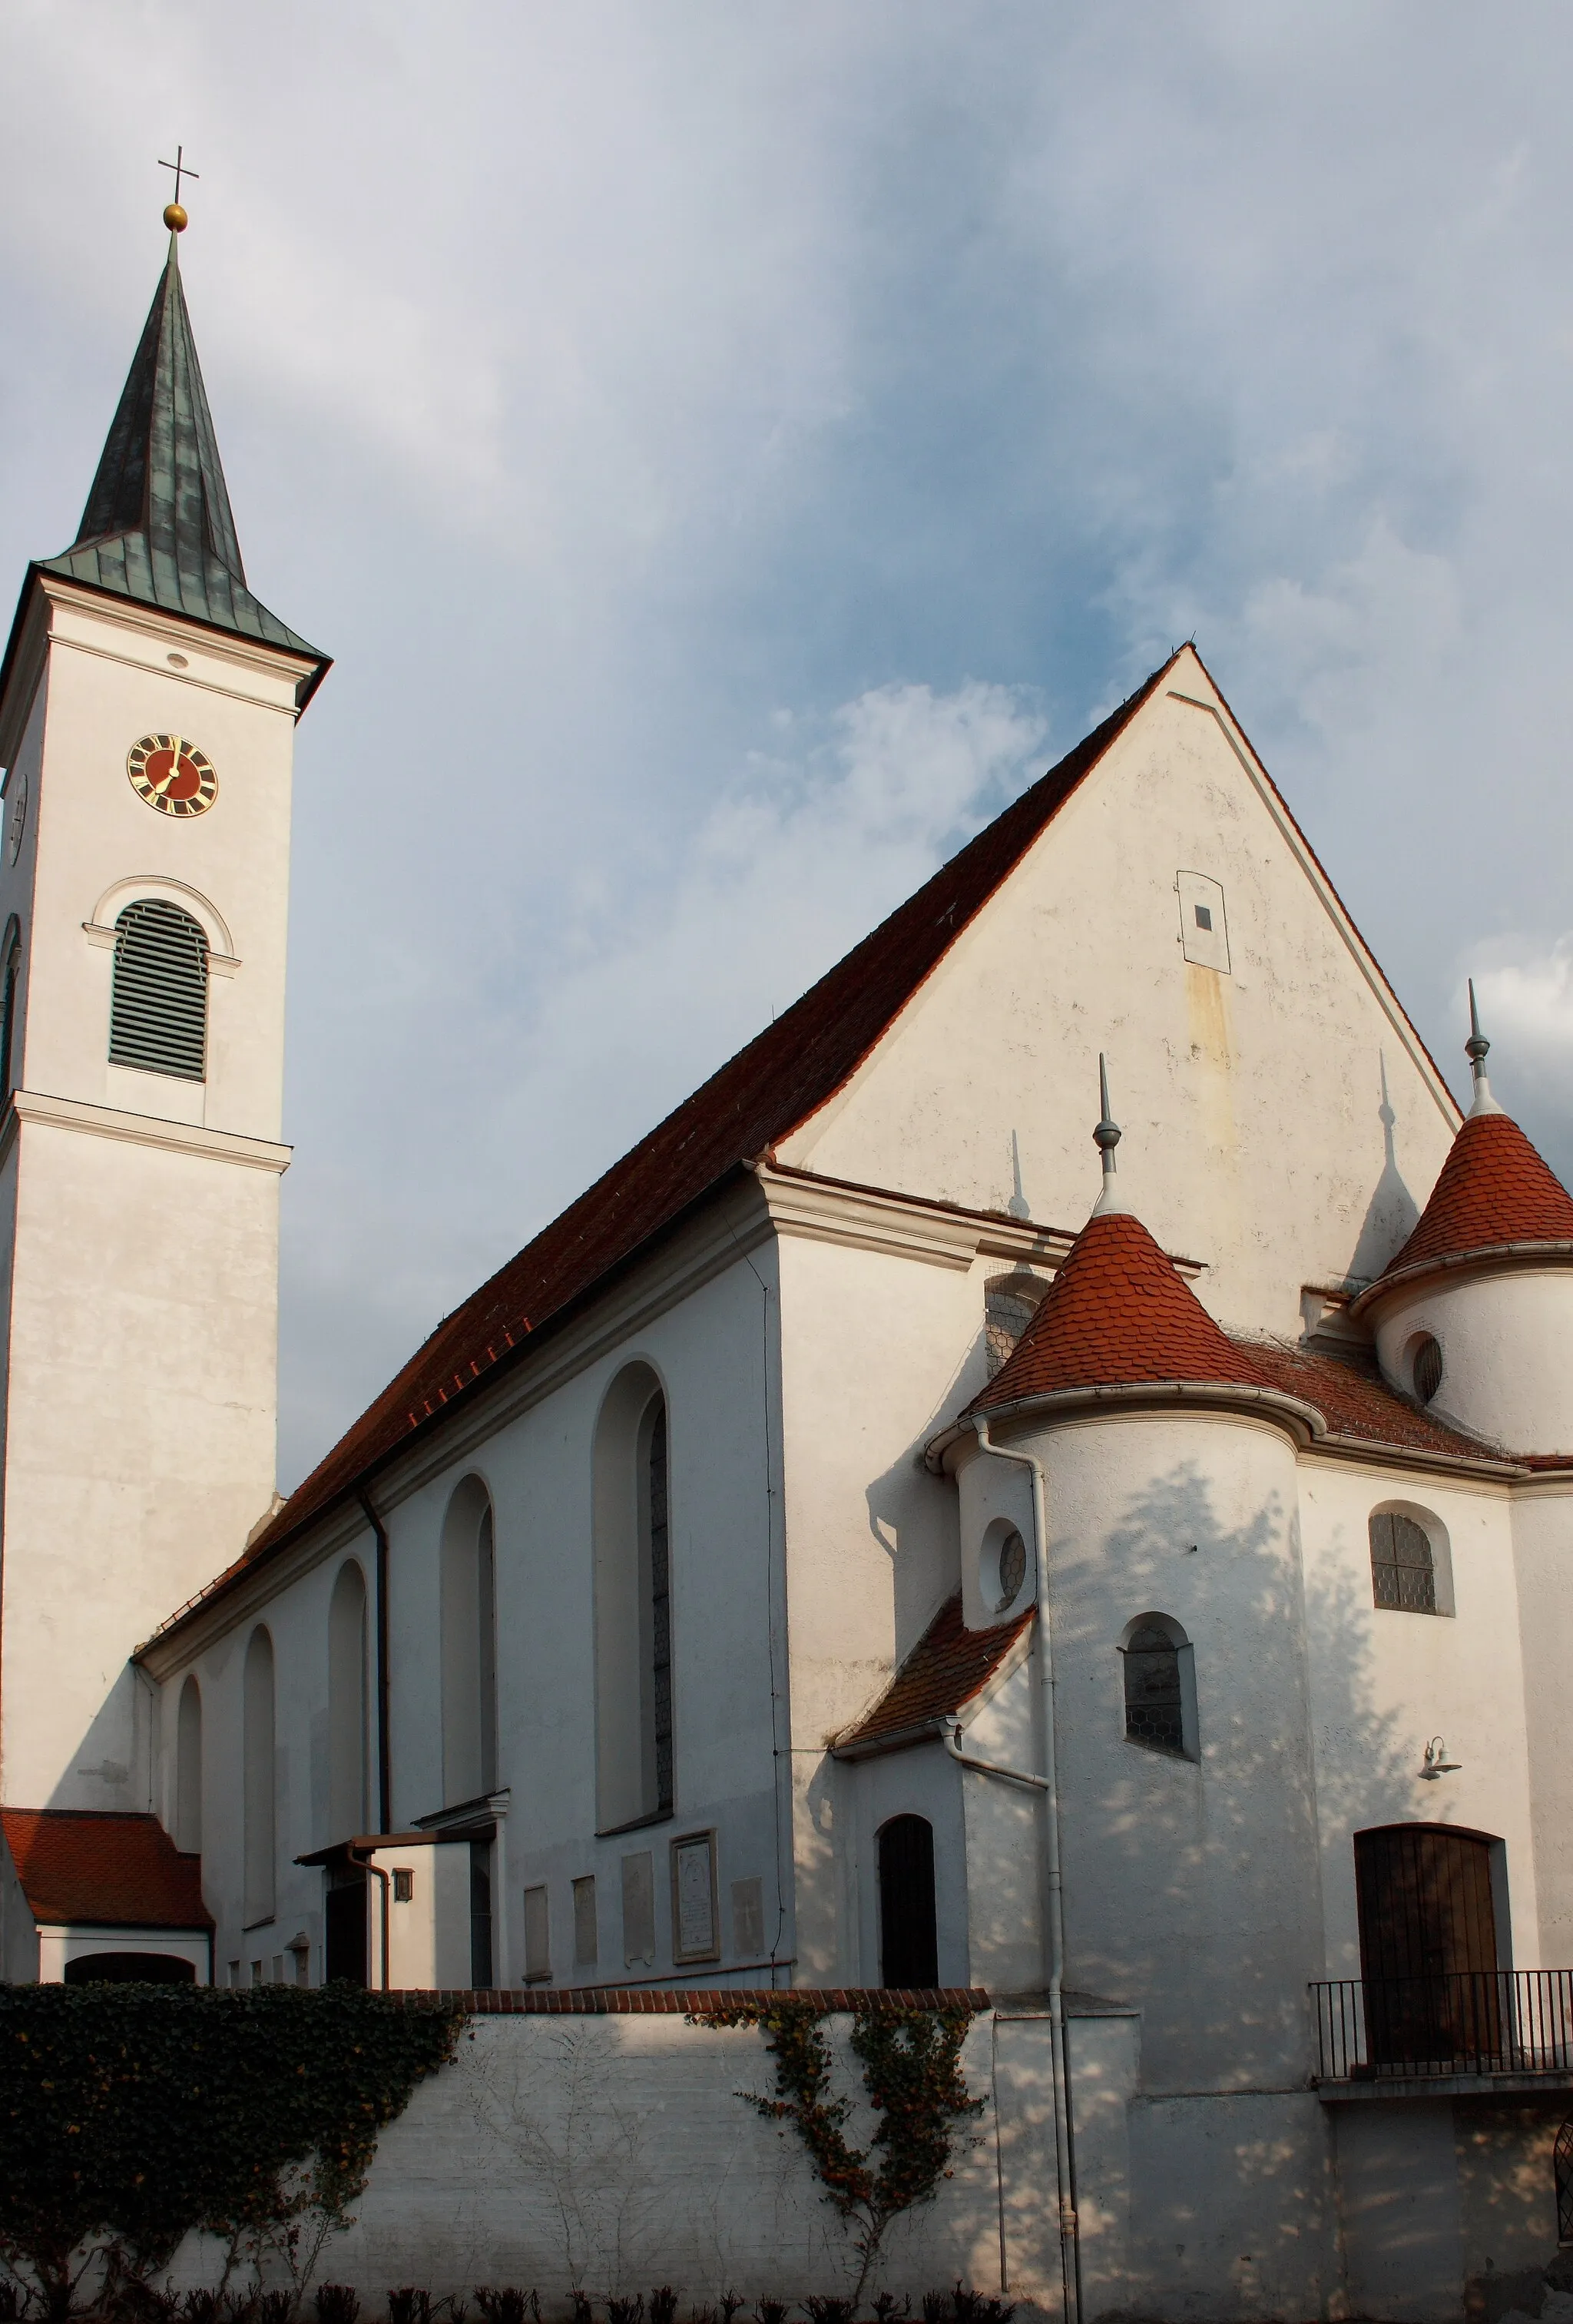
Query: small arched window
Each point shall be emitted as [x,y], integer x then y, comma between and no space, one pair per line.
[469,1647]
[188,1770]
[1403,1569]
[908,1929]
[1010,1303]
[258,1803]
[1160,1702]
[348,1812]
[158,1014]
[10,985]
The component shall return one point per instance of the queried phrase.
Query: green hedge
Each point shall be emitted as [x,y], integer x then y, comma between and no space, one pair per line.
[130,2113]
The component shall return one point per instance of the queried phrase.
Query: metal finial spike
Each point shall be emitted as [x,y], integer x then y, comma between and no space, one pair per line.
[1106,1138]
[1477,1048]
[1107,1135]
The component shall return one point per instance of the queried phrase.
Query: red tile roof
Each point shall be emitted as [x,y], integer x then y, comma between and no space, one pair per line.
[947,1667]
[1494,1191]
[782,1078]
[120,1871]
[1354,1404]
[1116,1315]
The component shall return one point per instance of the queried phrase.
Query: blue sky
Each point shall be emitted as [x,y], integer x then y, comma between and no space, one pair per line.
[730,449]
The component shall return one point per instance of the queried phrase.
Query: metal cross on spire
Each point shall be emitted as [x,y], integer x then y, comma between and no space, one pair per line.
[174,215]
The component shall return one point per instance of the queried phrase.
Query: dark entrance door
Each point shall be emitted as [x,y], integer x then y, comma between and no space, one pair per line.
[1428,1945]
[344,1934]
[909,1940]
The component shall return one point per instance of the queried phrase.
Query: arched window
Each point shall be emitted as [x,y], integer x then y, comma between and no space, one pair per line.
[347,1809]
[1402,1570]
[908,1934]
[634,1692]
[188,1770]
[1010,1303]
[259,1807]
[158,1015]
[469,1647]
[1160,1692]
[10,983]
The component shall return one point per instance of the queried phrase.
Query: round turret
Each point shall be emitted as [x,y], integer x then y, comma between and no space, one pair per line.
[1473,1316]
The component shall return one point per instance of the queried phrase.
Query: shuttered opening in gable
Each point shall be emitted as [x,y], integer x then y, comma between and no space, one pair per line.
[158,1016]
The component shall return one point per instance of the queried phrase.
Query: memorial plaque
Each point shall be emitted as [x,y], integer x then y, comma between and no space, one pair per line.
[695,1935]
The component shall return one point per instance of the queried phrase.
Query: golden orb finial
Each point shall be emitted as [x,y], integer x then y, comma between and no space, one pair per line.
[175,217]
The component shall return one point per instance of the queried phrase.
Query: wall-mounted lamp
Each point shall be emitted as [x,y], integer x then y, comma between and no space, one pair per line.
[1437,1762]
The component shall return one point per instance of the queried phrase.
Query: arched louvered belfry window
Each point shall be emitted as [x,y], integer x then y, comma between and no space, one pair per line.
[158,1016]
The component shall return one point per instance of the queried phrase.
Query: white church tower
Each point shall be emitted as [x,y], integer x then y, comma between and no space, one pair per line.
[148,704]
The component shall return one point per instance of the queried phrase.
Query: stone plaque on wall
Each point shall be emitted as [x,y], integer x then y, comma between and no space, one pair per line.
[639,1910]
[695,1936]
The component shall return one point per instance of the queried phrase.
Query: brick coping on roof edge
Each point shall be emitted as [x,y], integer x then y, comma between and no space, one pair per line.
[639,2001]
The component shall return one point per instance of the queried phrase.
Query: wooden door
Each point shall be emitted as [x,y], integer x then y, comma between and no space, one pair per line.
[1427,1945]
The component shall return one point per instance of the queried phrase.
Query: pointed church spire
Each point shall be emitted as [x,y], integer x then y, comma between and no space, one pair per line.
[1477,1048]
[158,525]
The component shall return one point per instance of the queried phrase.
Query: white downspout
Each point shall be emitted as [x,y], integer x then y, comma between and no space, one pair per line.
[1053,1898]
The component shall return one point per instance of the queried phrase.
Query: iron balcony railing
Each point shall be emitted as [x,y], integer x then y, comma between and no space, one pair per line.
[1504,2021]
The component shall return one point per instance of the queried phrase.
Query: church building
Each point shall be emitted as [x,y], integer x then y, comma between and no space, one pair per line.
[896,1528]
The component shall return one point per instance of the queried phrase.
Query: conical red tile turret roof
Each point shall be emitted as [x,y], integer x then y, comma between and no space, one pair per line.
[1495,1193]
[1118,1316]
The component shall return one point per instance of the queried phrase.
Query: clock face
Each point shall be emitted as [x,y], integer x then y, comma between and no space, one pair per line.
[172,774]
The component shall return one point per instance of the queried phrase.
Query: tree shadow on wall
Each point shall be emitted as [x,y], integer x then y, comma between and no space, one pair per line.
[1196,1888]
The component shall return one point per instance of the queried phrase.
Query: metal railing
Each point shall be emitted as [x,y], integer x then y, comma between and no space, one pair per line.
[1504,2021]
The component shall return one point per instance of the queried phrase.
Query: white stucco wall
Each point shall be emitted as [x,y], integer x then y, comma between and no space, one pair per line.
[1191,1888]
[140,1387]
[1503,1335]
[1382,1682]
[1252,1102]
[1542,1534]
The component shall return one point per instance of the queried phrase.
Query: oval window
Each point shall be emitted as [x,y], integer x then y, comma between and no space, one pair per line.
[1426,1370]
[1012,1569]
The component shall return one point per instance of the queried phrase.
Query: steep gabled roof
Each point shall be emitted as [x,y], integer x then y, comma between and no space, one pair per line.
[1495,1193]
[158,527]
[1118,1316]
[114,1871]
[783,1076]
[947,1669]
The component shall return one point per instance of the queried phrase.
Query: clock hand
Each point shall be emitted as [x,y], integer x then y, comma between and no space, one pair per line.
[174,766]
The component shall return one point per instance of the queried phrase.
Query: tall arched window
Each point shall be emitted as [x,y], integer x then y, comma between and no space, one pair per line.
[10,985]
[158,1014]
[188,1770]
[635,1698]
[469,1647]
[1160,1686]
[259,1806]
[1402,1571]
[347,1809]
[909,1932]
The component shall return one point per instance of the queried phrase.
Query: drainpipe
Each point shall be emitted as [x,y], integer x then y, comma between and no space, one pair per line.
[385,1767]
[1054,1902]
[365,1864]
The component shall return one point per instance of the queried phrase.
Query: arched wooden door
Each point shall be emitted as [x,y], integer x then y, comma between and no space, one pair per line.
[1427,1945]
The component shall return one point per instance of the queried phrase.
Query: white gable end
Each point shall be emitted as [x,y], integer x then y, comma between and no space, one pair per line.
[1170,915]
